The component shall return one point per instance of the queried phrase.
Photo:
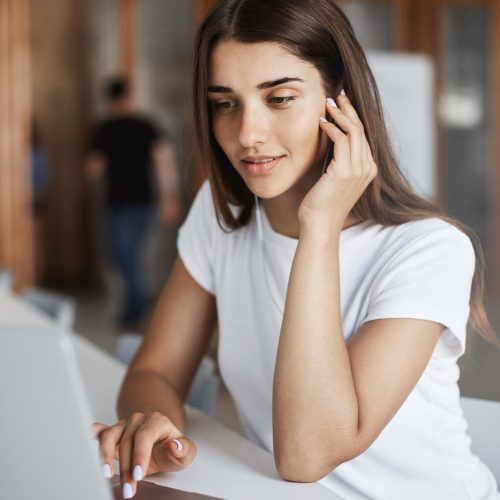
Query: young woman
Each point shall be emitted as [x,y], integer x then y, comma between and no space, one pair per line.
[341,297]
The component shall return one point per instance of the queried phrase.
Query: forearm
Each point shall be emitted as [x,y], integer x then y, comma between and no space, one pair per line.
[145,391]
[315,409]
[95,166]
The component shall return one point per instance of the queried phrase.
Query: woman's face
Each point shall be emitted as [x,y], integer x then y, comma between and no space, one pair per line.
[266,105]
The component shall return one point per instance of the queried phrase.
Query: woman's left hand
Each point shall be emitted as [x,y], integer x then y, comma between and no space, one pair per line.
[327,205]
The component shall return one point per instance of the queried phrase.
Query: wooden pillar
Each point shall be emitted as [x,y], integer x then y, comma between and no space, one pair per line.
[403,21]
[16,225]
[61,111]
[128,38]
[201,9]
[495,152]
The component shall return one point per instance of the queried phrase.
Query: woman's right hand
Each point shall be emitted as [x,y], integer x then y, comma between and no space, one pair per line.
[144,444]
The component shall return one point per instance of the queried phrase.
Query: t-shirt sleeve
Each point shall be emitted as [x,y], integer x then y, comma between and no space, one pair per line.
[153,132]
[98,140]
[195,243]
[430,279]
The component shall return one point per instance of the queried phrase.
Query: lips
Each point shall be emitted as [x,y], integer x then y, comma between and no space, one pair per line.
[258,165]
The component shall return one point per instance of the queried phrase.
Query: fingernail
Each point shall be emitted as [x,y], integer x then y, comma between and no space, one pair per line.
[323,119]
[331,102]
[106,469]
[137,473]
[127,491]
[179,444]
[342,92]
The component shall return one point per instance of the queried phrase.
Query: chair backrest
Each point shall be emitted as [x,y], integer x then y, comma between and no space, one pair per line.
[126,346]
[204,390]
[483,418]
[58,306]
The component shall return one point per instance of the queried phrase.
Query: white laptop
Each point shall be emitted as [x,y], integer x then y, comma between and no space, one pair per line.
[47,449]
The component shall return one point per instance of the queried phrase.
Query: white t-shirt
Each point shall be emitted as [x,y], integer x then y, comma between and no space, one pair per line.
[422,270]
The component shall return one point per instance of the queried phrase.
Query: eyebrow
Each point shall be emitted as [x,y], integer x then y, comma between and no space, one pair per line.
[219,89]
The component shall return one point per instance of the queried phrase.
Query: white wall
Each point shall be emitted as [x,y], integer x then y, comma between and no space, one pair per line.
[405,83]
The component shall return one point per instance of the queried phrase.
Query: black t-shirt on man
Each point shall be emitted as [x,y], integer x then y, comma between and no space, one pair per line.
[126,143]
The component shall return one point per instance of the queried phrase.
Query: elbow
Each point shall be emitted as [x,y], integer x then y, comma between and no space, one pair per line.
[305,471]
[302,475]
[305,467]
[310,465]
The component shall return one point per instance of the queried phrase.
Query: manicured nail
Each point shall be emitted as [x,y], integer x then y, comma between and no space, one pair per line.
[127,491]
[179,444]
[323,119]
[137,473]
[342,92]
[106,469]
[331,102]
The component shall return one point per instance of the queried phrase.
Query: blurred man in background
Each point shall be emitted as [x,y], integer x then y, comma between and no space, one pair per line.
[138,166]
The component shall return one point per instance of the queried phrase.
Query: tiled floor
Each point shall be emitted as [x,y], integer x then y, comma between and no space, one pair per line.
[96,320]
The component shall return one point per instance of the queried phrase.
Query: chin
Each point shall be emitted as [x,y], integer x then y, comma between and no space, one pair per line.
[266,188]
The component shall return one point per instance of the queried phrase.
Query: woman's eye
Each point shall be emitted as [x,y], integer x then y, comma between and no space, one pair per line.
[282,99]
[224,105]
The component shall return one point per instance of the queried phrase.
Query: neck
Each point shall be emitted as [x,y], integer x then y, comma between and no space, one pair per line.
[282,211]
[122,107]
[282,215]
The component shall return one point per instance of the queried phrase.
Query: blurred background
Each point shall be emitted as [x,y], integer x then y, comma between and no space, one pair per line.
[437,63]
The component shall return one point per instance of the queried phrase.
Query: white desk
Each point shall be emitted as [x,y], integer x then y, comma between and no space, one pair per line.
[226,465]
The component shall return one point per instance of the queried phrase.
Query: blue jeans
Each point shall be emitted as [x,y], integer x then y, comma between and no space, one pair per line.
[128,229]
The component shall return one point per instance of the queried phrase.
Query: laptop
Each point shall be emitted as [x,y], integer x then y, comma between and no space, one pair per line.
[48,451]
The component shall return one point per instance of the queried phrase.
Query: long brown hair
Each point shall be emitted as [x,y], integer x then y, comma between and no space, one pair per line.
[316,31]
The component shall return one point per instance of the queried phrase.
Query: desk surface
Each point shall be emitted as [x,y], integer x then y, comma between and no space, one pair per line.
[226,465]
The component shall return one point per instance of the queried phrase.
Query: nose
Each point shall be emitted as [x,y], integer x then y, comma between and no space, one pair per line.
[255,126]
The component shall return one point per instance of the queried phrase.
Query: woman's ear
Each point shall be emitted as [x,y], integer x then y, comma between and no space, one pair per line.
[339,89]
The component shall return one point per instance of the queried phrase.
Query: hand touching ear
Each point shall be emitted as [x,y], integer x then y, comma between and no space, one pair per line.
[331,199]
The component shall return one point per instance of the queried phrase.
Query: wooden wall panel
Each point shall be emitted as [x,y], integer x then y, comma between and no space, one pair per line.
[60,102]
[16,225]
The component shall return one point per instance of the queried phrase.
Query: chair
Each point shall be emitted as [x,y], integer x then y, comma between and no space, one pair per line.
[204,390]
[58,306]
[6,279]
[483,417]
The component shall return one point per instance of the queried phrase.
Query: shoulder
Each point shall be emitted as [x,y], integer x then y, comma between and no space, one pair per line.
[426,246]
[102,134]
[145,122]
[204,200]
[100,125]
[434,233]
[203,209]
[109,127]
[204,195]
